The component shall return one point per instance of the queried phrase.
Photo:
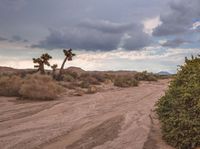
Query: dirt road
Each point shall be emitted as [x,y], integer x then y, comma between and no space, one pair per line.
[114,119]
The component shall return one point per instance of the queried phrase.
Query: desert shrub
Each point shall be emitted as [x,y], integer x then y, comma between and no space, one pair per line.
[179,109]
[99,77]
[68,78]
[40,87]
[90,78]
[85,84]
[10,85]
[92,90]
[71,85]
[73,74]
[110,77]
[125,81]
[145,76]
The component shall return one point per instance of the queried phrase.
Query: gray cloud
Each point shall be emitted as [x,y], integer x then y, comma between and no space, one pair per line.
[107,26]
[17,38]
[31,18]
[179,18]
[12,4]
[174,43]
[3,39]
[97,35]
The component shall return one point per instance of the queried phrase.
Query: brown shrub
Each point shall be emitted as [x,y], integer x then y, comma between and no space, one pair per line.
[92,90]
[90,79]
[10,85]
[40,87]
[145,76]
[78,92]
[125,81]
[85,84]
[99,77]
[68,78]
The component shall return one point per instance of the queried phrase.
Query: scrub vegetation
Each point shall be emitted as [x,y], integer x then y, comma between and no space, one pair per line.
[179,109]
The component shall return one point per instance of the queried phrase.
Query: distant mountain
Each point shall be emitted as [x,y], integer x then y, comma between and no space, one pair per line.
[7,70]
[164,73]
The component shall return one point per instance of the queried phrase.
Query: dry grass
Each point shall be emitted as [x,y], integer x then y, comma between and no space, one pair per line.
[40,87]
[145,76]
[10,85]
[125,81]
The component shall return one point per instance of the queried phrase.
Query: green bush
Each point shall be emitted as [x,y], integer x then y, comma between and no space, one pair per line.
[179,109]
[145,76]
[125,81]
[68,78]
[40,87]
[85,84]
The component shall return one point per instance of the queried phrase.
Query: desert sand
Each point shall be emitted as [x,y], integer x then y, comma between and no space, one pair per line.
[119,118]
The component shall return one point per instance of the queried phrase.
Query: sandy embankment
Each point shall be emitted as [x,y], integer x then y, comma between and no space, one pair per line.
[114,119]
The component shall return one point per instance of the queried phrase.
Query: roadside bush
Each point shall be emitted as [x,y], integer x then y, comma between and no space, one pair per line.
[145,76]
[110,77]
[73,74]
[125,81]
[90,79]
[85,84]
[68,78]
[10,85]
[92,90]
[179,109]
[40,87]
[99,77]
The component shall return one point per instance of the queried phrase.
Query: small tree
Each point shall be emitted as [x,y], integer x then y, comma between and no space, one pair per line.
[53,67]
[43,60]
[68,57]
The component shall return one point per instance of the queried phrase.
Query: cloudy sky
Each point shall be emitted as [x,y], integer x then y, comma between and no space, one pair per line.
[151,35]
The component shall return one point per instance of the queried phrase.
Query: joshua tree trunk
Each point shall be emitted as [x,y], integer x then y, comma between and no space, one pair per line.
[68,57]
[43,60]
[42,69]
[62,67]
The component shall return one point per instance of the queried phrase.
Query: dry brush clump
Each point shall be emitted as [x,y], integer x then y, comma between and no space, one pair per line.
[125,81]
[145,76]
[10,85]
[91,79]
[41,87]
[179,109]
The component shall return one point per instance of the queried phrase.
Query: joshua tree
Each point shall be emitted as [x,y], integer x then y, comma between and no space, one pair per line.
[68,57]
[54,66]
[43,60]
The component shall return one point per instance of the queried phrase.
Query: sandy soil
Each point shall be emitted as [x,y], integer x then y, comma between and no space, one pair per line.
[114,119]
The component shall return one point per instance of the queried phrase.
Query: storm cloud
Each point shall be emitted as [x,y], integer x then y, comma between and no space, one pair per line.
[174,43]
[3,39]
[179,19]
[97,35]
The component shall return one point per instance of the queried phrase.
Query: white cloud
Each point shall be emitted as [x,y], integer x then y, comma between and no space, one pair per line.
[150,24]
[153,59]
[196,25]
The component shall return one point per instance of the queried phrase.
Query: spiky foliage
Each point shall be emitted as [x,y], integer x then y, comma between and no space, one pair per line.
[53,67]
[43,60]
[68,57]
[179,109]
